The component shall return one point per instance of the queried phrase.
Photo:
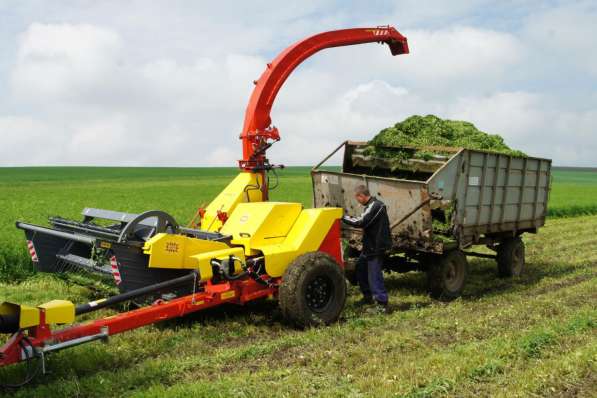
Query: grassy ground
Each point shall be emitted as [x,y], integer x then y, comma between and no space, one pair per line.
[33,194]
[574,192]
[531,336]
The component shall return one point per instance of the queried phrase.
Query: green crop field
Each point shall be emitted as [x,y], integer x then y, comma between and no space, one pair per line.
[529,336]
[574,192]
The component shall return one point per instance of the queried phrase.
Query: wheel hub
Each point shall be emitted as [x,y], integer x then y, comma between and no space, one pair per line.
[319,293]
[452,276]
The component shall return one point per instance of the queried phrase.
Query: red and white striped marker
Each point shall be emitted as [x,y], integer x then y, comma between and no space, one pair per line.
[32,251]
[115,270]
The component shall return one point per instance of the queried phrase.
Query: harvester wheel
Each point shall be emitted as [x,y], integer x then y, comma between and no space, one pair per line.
[313,290]
[510,257]
[447,275]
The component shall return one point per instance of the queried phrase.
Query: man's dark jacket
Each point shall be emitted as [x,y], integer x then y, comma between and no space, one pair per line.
[376,227]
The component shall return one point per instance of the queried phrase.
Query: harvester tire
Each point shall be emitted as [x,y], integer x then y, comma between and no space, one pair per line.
[510,257]
[447,275]
[313,290]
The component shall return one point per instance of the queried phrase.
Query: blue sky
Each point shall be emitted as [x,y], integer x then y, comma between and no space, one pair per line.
[166,82]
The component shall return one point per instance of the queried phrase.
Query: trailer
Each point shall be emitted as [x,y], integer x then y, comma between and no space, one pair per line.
[442,202]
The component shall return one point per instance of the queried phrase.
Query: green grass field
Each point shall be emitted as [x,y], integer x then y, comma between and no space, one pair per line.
[574,192]
[530,336]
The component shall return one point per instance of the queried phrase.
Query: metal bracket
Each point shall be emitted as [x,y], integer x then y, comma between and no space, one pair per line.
[102,335]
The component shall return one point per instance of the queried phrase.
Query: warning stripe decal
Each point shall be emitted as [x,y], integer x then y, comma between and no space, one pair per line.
[115,270]
[32,251]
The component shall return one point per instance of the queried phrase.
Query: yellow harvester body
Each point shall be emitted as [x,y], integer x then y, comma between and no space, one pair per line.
[277,231]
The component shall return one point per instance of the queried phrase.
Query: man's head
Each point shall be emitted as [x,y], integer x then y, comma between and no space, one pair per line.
[362,194]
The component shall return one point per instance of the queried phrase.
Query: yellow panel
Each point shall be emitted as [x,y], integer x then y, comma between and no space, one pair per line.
[59,311]
[28,316]
[256,224]
[244,188]
[174,251]
[306,235]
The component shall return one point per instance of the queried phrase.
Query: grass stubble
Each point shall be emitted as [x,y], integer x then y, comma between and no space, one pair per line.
[528,336]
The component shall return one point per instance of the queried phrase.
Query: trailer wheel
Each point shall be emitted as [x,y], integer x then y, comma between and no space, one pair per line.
[447,275]
[313,290]
[510,257]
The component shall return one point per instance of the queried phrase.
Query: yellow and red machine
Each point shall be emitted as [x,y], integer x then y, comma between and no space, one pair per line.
[246,247]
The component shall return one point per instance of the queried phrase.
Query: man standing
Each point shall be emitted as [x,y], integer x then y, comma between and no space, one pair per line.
[376,241]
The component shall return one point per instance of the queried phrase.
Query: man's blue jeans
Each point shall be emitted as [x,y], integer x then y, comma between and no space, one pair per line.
[370,277]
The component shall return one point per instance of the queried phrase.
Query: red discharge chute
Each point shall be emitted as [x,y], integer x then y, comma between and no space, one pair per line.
[258,133]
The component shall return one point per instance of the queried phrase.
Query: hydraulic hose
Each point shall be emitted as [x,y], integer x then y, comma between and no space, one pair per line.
[98,304]
[32,370]
[9,323]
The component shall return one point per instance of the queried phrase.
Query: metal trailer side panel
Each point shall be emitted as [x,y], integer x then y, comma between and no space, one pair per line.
[499,193]
[446,182]
[400,196]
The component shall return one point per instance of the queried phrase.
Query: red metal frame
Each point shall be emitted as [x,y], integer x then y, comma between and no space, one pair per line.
[237,292]
[258,133]
[331,243]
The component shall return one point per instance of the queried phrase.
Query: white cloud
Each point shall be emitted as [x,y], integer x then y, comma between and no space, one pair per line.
[103,110]
[157,84]
[517,116]
[374,97]
[222,156]
[527,121]
[356,114]
[64,62]
[460,54]
[530,122]
[565,34]
[25,141]
[448,61]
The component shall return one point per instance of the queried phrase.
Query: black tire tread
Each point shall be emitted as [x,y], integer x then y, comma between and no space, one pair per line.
[289,295]
[436,286]
[504,257]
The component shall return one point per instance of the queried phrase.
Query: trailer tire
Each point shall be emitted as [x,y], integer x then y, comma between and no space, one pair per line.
[313,290]
[447,275]
[510,257]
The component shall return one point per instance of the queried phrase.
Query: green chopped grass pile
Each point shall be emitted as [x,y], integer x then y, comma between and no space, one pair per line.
[396,143]
[430,130]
